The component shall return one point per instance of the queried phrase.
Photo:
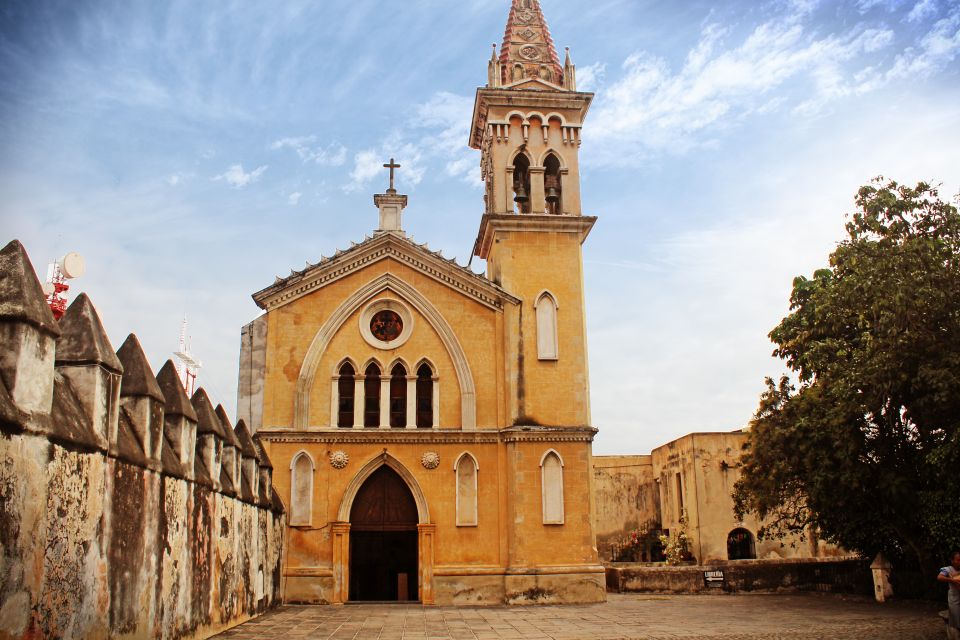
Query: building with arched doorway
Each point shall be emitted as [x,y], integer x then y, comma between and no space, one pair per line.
[430,427]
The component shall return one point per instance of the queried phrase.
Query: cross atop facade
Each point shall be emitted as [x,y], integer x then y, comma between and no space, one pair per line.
[392,166]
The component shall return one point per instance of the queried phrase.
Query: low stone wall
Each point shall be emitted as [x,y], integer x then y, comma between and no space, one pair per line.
[127,510]
[838,576]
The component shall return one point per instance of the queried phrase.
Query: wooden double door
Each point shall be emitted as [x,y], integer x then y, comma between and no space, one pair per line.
[384,540]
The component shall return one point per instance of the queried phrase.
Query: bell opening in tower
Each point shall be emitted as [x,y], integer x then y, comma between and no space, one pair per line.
[521,183]
[553,187]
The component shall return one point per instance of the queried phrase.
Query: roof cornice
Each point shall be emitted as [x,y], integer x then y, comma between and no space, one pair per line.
[490,224]
[381,247]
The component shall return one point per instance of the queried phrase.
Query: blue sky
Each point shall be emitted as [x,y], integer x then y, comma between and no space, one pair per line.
[192,151]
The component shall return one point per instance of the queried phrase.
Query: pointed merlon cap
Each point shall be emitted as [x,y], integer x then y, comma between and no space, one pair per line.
[229,437]
[21,297]
[247,450]
[262,458]
[176,402]
[83,340]
[207,420]
[527,46]
[138,377]
[881,562]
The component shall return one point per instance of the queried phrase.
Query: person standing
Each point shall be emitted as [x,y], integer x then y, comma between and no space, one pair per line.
[951,575]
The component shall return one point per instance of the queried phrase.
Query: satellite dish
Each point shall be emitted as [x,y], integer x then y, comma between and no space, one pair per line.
[47,288]
[72,265]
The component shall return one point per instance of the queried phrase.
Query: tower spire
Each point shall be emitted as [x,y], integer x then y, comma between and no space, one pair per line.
[528,50]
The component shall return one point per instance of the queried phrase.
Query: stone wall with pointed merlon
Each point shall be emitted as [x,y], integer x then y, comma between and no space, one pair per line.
[127,509]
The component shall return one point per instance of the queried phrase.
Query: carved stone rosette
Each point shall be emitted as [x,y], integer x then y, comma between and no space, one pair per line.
[430,460]
[339,459]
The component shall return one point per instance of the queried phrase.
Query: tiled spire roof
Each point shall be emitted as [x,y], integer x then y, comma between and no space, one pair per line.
[527,42]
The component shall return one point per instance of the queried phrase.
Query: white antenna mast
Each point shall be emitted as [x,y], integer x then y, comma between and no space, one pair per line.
[187,365]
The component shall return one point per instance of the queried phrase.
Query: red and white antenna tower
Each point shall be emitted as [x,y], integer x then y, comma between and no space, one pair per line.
[59,271]
[187,365]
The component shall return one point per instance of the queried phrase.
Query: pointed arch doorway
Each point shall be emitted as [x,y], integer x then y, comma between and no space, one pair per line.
[384,549]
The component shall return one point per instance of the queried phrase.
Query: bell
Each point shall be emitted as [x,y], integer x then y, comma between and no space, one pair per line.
[553,195]
[521,194]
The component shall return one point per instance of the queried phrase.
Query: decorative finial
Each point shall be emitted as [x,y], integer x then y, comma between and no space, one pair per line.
[392,166]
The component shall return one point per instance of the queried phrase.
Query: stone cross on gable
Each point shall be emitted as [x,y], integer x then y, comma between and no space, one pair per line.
[391,204]
[392,166]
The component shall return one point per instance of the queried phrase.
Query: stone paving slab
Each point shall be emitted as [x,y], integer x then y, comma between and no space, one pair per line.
[623,617]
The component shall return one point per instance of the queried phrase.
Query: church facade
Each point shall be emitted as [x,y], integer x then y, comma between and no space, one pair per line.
[430,427]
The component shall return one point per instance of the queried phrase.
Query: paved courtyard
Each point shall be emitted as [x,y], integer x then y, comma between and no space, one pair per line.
[623,617]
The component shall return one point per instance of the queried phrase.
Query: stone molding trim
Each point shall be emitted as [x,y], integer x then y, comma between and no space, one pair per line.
[378,436]
[384,459]
[549,434]
[380,247]
[491,223]
[428,436]
[538,102]
[416,299]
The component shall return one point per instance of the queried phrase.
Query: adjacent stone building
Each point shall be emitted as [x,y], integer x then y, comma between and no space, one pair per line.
[692,476]
[430,426]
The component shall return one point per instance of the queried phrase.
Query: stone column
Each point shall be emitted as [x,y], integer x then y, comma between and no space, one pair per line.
[505,193]
[426,533]
[384,402]
[537,194]
[565,205]
[436,402]
[335,402]
[341,562]
[359,402]
[411,402]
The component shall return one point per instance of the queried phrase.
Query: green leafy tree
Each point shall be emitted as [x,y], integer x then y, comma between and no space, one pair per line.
[863,445]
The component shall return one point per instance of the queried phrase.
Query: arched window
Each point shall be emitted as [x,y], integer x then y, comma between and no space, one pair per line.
[466,469]
[517,73]
[521,183]
[551,476]
[424,397]
[371,396]
[552,185]
[546,309]
[345,395]
[301,490]
[398,397]
[740,545]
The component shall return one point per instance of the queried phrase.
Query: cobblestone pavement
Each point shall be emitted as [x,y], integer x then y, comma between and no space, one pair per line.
[623,617]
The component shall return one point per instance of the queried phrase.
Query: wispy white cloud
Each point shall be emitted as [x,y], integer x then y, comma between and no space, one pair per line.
[783,63]
[333,155]
[368,164]
[237,178]
[939,47]
[294,198]
[590,77]
[436,133]
[922,10]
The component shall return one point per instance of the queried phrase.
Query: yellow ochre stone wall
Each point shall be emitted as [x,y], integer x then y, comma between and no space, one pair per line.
[292,328]
[527,263]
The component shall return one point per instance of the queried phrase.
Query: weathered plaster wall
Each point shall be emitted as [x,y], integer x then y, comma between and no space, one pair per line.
[693,475]
[111,524]
[626,497]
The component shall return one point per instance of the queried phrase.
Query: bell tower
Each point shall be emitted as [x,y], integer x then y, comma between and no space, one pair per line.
[527,125]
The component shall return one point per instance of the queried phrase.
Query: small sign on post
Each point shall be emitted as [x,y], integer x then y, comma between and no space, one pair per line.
[713,579]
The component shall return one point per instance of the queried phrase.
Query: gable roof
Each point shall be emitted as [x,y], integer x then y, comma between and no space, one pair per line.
[381,246]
